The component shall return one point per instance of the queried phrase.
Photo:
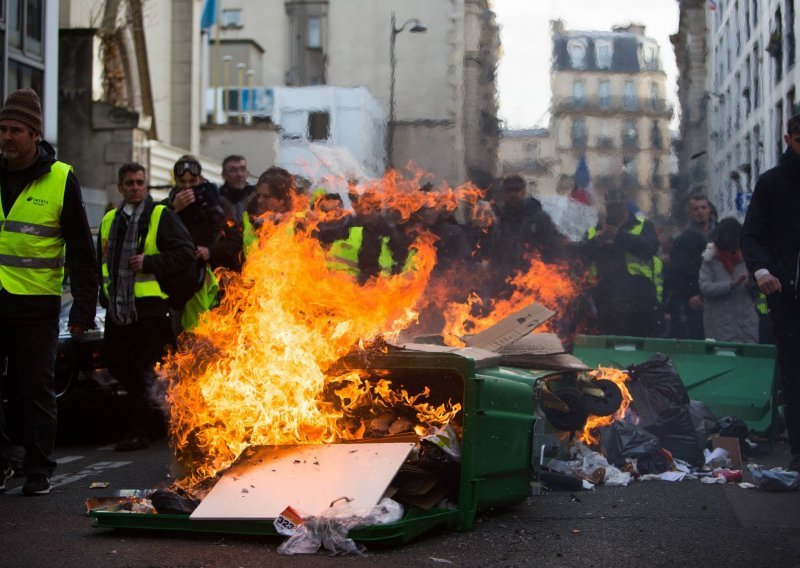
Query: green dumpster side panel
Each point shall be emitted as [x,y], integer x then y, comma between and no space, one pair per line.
[733,379]
[496,447]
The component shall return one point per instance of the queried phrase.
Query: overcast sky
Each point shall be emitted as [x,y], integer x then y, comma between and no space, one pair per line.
[524,73]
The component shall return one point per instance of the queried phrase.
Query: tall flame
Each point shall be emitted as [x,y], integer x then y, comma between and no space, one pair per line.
[253,369]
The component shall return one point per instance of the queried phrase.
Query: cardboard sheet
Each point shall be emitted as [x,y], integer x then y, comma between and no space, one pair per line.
[511,328]
[265,479]
[535,344]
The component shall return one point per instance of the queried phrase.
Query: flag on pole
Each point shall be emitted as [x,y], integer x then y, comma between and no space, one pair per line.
[583,192]
[209,15]
[712,5]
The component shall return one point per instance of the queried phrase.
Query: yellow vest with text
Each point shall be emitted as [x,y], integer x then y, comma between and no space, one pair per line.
[144,285]
[32,248]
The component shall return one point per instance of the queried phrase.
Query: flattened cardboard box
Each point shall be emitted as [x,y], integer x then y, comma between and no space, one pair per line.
[511,328]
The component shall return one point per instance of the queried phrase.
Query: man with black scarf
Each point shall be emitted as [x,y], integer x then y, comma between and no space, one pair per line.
[771,249]
[44,227]
[139,245]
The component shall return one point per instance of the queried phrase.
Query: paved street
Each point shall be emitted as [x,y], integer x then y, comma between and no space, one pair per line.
[645,524]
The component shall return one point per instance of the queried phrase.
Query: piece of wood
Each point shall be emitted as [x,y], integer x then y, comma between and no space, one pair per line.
[267,479]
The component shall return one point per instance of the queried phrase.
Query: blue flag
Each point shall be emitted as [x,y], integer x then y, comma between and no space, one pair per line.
[209,16]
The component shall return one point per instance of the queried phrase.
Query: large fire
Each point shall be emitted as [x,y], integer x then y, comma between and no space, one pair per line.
[255,371]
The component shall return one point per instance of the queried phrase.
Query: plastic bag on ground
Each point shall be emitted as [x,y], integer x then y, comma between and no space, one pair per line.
[705,423]
[594,466]
[662,404]
[774,479]
[330,529]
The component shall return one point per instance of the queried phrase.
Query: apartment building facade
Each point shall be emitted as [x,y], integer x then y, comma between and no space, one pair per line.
[751,91]
[609,104]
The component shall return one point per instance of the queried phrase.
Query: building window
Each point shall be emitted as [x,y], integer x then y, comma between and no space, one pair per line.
[604,94]
[655,98]
[629,95]
[630,134]
[655,135]
[650,56]
[579,94]
[655,176]
[532,149]
[34,26]
[579,134]
[231,18]
[319,124]
[314,36]
[577,53]
[21,76]
[604,53]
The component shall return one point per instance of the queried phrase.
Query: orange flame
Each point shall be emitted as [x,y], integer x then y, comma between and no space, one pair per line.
[548,284]
[589,435]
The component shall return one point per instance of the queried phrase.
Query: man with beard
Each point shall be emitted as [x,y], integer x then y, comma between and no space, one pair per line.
[44,227]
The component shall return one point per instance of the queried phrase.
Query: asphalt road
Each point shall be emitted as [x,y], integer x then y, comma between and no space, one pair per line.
[645,524]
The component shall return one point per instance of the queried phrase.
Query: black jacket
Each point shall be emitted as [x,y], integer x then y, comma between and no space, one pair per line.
[209,227]
[175,255]
[80,264]
[771,232]
[617,290]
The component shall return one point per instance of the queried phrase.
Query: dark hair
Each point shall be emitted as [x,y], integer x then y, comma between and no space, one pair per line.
[233,158]
[793,125]
[279,181]
[727,234]
[515,182]
[129,168]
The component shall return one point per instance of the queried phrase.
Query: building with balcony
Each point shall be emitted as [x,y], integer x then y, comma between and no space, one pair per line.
[530,153]
[751,91]
[609,105]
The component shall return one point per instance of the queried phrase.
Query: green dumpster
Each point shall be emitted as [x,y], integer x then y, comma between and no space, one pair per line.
[498,413]
[733,379]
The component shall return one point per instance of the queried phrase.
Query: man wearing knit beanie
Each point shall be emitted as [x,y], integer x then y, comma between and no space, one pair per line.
[44,228]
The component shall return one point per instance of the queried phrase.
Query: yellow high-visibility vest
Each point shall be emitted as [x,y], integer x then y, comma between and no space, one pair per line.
[144,285]
[32,248]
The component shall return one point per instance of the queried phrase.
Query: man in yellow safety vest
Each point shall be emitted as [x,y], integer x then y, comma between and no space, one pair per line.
[43,228]
[139,244]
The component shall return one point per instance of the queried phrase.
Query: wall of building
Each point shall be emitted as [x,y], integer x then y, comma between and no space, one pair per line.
[258,143]
[531,154]
[751,93]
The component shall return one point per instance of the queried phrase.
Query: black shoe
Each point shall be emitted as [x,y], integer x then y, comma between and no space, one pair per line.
[131,444]
[794,465]
[36,484]
[5,474]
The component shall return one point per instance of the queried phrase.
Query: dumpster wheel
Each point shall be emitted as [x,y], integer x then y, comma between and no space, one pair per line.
[608,403]
[572,419]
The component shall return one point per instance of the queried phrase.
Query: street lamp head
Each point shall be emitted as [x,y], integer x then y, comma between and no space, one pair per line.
[418,28]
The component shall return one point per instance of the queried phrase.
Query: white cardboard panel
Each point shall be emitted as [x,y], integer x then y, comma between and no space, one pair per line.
[262,484]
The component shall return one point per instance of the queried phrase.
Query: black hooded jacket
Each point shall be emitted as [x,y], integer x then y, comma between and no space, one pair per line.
[771,232]
[80,261]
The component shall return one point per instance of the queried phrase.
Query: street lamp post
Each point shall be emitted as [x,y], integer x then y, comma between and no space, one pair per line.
[416,27]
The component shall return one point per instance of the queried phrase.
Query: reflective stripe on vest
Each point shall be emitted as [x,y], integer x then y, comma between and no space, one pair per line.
[249,235]
[343,254]
[144,285]
[32,250]
[652,270]
[761,304]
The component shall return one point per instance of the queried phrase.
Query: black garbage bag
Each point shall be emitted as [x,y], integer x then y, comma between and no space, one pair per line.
[169,502]
[705,423]
[735,427]
[621,440]
[662,404]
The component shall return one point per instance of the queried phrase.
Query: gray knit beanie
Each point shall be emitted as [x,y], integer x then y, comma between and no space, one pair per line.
[23,105]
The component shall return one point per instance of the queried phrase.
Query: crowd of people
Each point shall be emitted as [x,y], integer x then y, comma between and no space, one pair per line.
[157,266]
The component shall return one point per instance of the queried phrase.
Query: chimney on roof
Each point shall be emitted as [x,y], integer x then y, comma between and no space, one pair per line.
[557,27]
[637,29]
